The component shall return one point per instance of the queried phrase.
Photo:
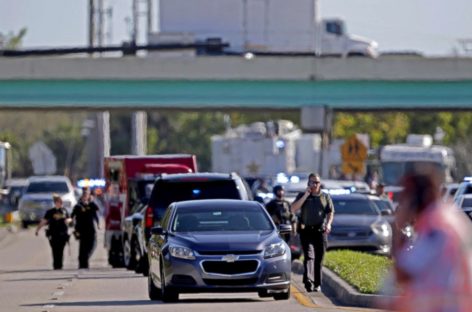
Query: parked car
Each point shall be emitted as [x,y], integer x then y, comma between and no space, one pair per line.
[465,187]
[387,210]
[37,198]
[218,246]
[449,190]
[358,224]
[169,188]
[139,190]
[465,204]
[16,189]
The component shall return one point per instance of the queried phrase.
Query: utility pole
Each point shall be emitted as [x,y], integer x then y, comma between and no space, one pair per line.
[138,133]
[91,23]
[101,23]
[96,130]
[149,17]
[135,19]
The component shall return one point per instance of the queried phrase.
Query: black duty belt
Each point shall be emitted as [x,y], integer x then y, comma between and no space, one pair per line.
[312,227]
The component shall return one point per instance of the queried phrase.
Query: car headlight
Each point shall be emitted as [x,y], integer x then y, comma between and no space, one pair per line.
[382,228]
[275,250]
[181,252]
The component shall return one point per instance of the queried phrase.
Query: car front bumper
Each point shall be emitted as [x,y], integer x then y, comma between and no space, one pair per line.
[373,243]
[207,274]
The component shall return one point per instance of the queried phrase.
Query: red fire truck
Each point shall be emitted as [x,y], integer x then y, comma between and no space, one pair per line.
[118,171]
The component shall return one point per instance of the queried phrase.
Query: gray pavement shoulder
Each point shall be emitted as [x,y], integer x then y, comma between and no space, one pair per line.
[7,230]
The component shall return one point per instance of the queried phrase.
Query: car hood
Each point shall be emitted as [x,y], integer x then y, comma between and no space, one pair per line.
[354,220]
[362,40]
[38,196]
[236,241]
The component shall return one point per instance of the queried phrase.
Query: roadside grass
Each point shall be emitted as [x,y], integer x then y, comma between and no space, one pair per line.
[363,271]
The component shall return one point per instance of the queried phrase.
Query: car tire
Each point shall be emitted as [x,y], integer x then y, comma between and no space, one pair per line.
[153,291]
[144,265]
[263,293]
[168,295]
[129,253]
[24,224]
[282,296]
[140,261]
[115,255]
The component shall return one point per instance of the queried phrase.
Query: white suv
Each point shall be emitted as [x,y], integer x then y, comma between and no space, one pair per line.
[37,198]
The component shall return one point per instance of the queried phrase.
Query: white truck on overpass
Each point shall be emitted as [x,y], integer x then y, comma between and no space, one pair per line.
[259,26]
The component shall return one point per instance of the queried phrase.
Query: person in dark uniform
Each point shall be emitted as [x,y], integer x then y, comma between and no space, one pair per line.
[279,210]
[85,215]
[316,217]
[57,220]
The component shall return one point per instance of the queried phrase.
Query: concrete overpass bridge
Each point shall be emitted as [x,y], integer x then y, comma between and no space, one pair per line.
[316,86]
[232,82]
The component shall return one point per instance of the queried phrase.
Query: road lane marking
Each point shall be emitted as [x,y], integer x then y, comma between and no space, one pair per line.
[302,298]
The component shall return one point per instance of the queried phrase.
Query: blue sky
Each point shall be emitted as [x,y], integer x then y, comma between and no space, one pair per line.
[430,26]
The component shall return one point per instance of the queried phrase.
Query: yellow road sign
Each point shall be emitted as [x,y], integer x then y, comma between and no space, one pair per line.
[353,167]
[353,150]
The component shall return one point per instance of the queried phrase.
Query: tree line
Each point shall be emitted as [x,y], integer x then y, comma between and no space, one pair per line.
[190,132]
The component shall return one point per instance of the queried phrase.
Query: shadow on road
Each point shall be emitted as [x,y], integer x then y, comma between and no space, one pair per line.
[124,303]
[34,271]
[39,279]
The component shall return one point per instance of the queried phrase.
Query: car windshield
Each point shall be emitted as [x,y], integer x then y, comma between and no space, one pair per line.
[168,192]
[47,187]
[222,219]
[392,172]
[383,205]
[144,190]
[355,207]
[467,203]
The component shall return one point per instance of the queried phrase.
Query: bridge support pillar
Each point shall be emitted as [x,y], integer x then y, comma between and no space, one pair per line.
[98,142]
[139,133]
[319,120]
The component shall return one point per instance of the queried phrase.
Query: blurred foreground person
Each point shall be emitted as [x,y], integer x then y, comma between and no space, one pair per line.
[85,215]
[436,274]
[57,220]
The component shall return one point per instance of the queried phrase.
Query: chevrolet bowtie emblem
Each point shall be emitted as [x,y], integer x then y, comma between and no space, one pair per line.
[230,258]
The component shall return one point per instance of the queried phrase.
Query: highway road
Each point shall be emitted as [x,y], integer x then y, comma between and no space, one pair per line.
[28,283]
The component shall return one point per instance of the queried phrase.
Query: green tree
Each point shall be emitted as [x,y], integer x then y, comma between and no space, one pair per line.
[383,128]
[12,41]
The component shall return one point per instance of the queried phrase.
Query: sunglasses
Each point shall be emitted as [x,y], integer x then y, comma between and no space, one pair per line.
[314,182]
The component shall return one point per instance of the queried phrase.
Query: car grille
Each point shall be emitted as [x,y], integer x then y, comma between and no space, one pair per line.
[230,268]
[230,282]
[350,232]
[225,252]
[185,280]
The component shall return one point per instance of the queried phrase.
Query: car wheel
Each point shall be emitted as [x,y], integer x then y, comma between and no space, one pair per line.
[282,296]
[126,252]
[129,253]
[24,224]
[138,268]
[115,255]
[168,295]
[144,265]
[154,292]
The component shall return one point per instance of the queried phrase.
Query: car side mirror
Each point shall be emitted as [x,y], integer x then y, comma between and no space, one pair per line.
[158,230]
[285,228]
[386,212]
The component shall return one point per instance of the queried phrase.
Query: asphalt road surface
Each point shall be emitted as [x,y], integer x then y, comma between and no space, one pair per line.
[27,283]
